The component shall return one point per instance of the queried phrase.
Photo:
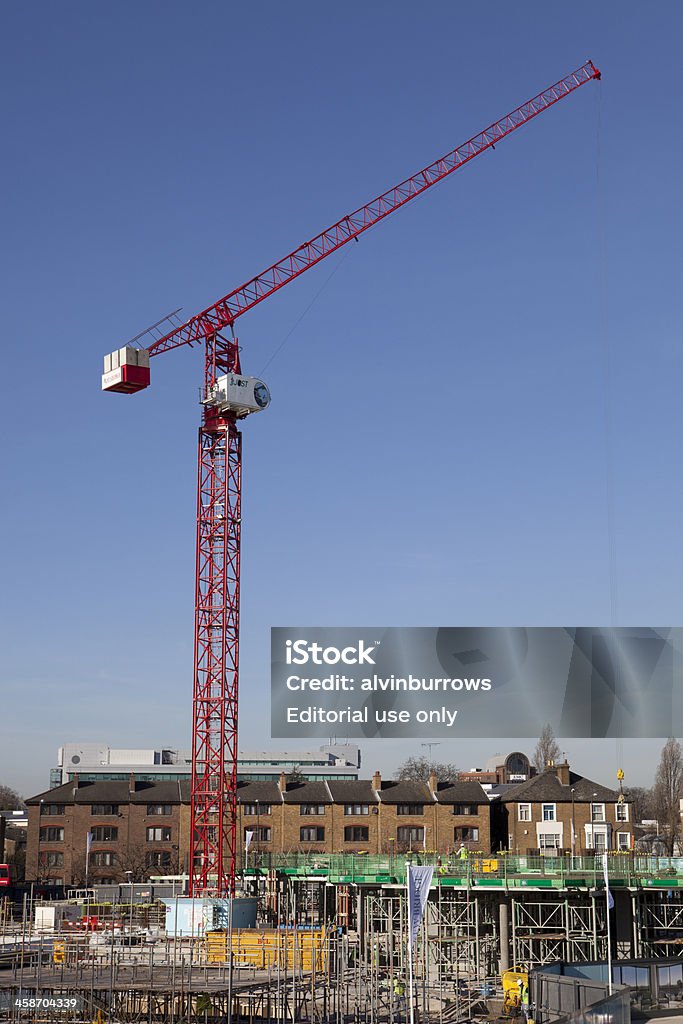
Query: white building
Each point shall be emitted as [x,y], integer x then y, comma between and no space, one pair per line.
[93,761]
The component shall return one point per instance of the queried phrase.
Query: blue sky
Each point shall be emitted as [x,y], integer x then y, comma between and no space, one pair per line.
[436,451]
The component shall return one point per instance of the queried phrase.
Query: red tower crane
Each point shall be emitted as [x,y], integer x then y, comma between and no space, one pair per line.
[228,396]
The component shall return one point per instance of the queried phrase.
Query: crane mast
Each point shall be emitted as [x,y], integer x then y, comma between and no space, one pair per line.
[228,396]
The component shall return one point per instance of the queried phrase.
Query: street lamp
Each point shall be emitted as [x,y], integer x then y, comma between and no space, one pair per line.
[573,828]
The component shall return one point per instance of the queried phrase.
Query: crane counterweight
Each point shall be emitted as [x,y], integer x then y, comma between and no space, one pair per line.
[126,370]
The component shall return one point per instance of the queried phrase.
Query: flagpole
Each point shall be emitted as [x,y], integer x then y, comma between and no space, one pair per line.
[418,881]
[609,903]
[609,947]
[410,950]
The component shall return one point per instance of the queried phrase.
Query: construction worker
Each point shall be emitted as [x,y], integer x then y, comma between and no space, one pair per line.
[399,995]
[524,997]
[462,852]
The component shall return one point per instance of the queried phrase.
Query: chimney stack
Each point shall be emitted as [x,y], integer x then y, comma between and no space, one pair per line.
[282,783]
[562,771]
[433,783]
[377,782]
[131,784]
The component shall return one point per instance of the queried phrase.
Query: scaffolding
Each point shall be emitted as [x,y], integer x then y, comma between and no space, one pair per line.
[658,921]
[326,952]
[552,928]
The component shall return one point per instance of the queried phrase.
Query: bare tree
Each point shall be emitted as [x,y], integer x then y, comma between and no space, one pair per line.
[78,873]
[642,803]
[547,749]
[17,860]
[667,792]
[134,865]
[10,800]
[418,769]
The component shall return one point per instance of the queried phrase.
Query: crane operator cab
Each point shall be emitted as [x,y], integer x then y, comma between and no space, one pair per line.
[237,394]
[127,370]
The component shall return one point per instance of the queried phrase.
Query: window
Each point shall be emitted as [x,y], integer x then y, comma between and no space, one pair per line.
[104,809]
[517,765]
[161,809]
[599,842]
[51,859]
[102,859]
[51,835]
[464,809]
[350,809]
[549,841]
[104,834]
[597,812]
[356,834]
[256,809]
[158,835]
[158,859]
[466,834]
[312,809]
[524,812]
[107,881]
[548,812]
[623,840]
[260,835]
[622,812]
[410,834]
[311,835]
[53,809]
[409,809]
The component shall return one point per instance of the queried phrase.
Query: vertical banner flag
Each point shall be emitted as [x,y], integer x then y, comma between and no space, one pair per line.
[608,894]
[88,844]
[418,881]
[248,836]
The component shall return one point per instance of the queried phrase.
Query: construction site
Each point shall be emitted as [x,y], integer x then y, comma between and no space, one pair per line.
[329,943]
[327,937]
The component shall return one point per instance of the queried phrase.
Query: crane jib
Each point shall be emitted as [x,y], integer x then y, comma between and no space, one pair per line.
[224,312]
[233,305]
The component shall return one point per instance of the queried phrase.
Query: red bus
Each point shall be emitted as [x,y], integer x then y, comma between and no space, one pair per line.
[5,879]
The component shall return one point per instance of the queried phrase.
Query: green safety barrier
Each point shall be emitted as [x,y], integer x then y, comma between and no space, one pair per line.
[625,870]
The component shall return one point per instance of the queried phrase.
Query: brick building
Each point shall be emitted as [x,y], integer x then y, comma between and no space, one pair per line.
[142,827]
[560,811]
[516,767]
[134,826]
[364,816]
